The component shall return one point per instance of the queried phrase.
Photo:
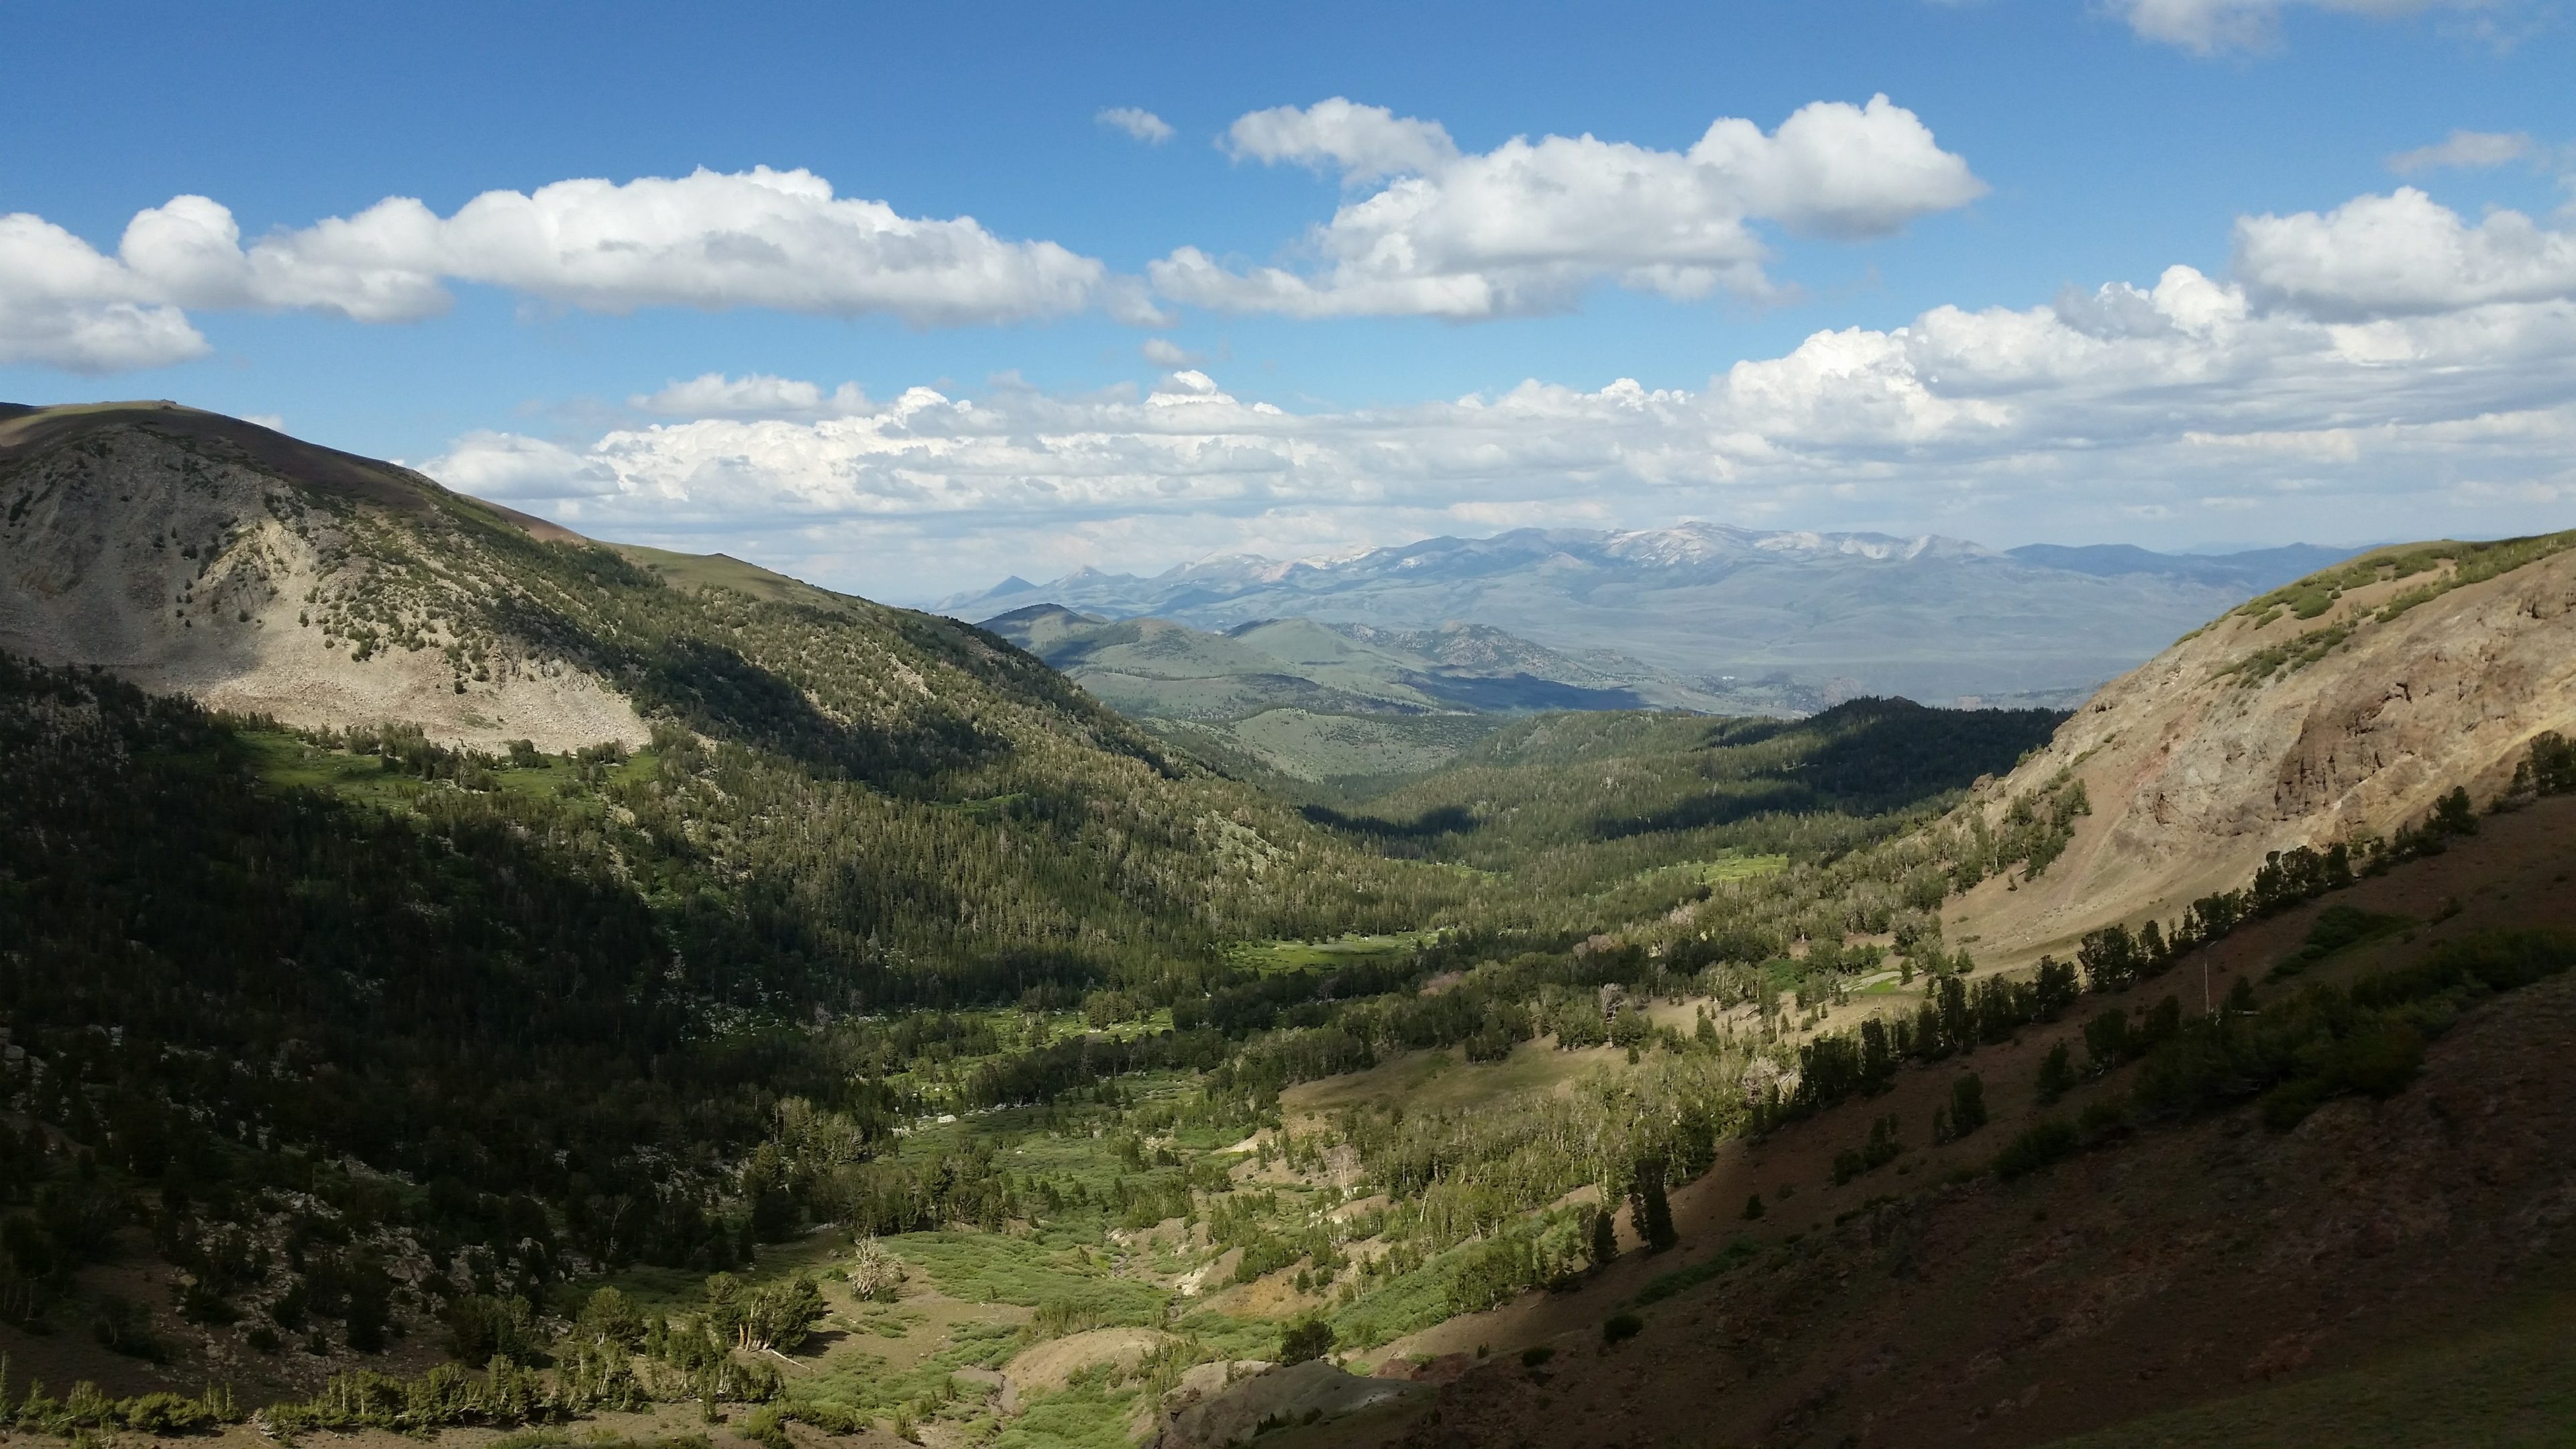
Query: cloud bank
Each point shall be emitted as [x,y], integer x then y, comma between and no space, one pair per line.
[2308,395]
[760,238]
[2402,253]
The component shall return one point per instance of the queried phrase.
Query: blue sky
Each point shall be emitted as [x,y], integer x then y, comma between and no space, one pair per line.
[2345,360]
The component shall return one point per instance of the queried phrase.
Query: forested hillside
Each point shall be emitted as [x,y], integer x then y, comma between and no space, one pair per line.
[1569,806]
[366,1036]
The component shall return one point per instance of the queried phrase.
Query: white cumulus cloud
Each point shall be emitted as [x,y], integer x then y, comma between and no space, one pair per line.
[509,465]
[1144,125]
[63,305]
[761,238]
[758,395]
[2402,253]
[1363,143]
[1528,226]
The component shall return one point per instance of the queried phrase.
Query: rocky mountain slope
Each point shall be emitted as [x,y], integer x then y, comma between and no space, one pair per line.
[2338,709]
[1929,618]
[201,554]
[191,553]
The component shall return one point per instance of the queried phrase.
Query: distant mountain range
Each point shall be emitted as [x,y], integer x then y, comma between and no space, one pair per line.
[1316,701]
[1160,668]
[1936,619]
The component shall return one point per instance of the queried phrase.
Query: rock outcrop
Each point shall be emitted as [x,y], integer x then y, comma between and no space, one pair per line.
[1219,1404]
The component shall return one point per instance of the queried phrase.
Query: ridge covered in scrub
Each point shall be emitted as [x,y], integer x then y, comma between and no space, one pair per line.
[2338,709]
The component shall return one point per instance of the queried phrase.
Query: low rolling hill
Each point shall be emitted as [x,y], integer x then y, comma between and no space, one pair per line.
[1308,702]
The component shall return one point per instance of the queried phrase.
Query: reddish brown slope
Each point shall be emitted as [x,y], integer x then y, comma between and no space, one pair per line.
[2184,1265]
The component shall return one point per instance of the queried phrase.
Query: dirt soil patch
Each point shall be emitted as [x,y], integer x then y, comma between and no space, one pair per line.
[1049,1366]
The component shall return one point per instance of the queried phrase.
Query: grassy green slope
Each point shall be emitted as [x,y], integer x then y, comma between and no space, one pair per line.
[1573,805]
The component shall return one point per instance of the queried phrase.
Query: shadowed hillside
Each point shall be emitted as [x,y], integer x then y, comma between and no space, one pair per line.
[2388,1268]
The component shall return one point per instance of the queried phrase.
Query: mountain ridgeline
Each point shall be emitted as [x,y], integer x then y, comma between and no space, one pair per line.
[1745,615]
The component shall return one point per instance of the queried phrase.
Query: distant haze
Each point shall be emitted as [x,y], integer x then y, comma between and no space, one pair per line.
[1935,619]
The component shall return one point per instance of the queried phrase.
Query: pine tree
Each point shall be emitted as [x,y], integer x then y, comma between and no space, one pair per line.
[1967,1105]
[2454,815]
[1648,1210]
[2056,1074]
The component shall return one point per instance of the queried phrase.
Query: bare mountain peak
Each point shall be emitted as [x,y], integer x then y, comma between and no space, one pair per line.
[199,554]
[194,552]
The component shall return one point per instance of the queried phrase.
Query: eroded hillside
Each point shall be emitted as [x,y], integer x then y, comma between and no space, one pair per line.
[2336,710]
[199,554]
